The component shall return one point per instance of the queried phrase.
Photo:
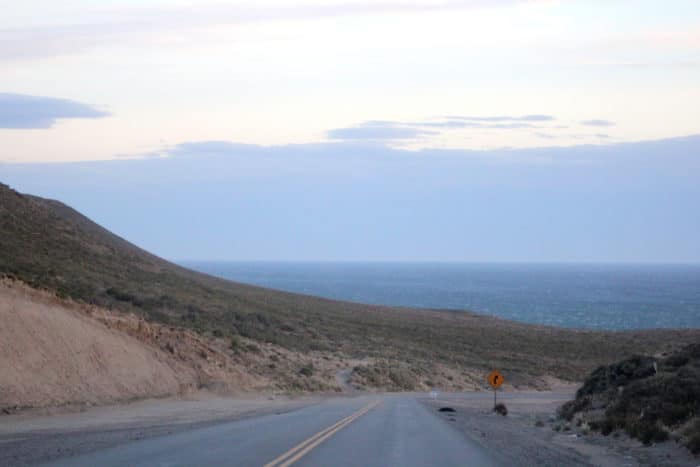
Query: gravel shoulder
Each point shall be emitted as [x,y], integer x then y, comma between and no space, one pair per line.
[532,435]
[41,436]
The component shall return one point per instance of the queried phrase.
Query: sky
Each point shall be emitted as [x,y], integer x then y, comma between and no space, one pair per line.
[453,130]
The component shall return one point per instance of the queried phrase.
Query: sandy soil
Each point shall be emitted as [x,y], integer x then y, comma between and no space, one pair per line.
[519,439]
[56,353]
[33,437]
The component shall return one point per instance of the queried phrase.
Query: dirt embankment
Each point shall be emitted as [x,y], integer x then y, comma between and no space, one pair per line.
[55,353]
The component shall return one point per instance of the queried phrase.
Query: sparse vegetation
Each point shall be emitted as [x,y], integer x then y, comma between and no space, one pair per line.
[235,344]
[50,246]
[692,436]
[307,370]
[250,347]
[647,397]
[387,375]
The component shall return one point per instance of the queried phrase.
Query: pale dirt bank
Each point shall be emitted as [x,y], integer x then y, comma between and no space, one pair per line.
[531,434]
[53,354]
[59,355]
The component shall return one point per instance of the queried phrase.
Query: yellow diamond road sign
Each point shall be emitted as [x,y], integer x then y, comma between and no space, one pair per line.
[495,379]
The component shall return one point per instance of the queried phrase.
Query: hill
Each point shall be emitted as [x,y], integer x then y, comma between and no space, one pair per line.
[50,246]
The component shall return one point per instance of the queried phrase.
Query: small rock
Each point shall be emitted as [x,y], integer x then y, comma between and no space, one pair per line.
[501,409]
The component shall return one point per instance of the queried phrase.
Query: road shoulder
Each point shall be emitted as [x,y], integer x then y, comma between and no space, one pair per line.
[28,439]
[532,435]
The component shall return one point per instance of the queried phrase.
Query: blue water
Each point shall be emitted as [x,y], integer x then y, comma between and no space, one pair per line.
[581,296]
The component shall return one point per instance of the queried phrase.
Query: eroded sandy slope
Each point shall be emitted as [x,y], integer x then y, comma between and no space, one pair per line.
[56,353]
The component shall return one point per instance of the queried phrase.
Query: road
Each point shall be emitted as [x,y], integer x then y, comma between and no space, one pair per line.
[382,430]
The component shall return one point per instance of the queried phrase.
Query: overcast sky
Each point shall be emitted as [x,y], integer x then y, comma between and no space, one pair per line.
[447,130]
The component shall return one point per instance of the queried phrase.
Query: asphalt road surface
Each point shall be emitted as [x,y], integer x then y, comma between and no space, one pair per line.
[382,430]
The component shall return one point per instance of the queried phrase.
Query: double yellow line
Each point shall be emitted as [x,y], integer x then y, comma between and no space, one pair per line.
[303,448]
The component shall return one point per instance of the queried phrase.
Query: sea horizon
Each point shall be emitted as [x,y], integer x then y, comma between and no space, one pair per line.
[590,295]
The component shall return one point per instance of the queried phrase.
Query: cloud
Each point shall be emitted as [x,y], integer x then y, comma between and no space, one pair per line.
[18,111]
[147,24]
[638,153]
[476,124]
[394,130]
[443,124]
[343,201]
[505,126]
[211,148]
[600,123]
[503,118]
[378,131]
[572,136]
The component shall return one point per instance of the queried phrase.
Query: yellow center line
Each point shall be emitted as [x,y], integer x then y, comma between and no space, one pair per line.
[303,448]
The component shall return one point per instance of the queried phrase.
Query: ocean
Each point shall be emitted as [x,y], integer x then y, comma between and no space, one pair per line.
[595,296]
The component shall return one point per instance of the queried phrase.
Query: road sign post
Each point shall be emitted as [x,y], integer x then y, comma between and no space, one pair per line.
[495,379]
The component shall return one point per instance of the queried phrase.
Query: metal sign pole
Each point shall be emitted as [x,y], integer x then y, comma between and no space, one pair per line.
[495,379]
